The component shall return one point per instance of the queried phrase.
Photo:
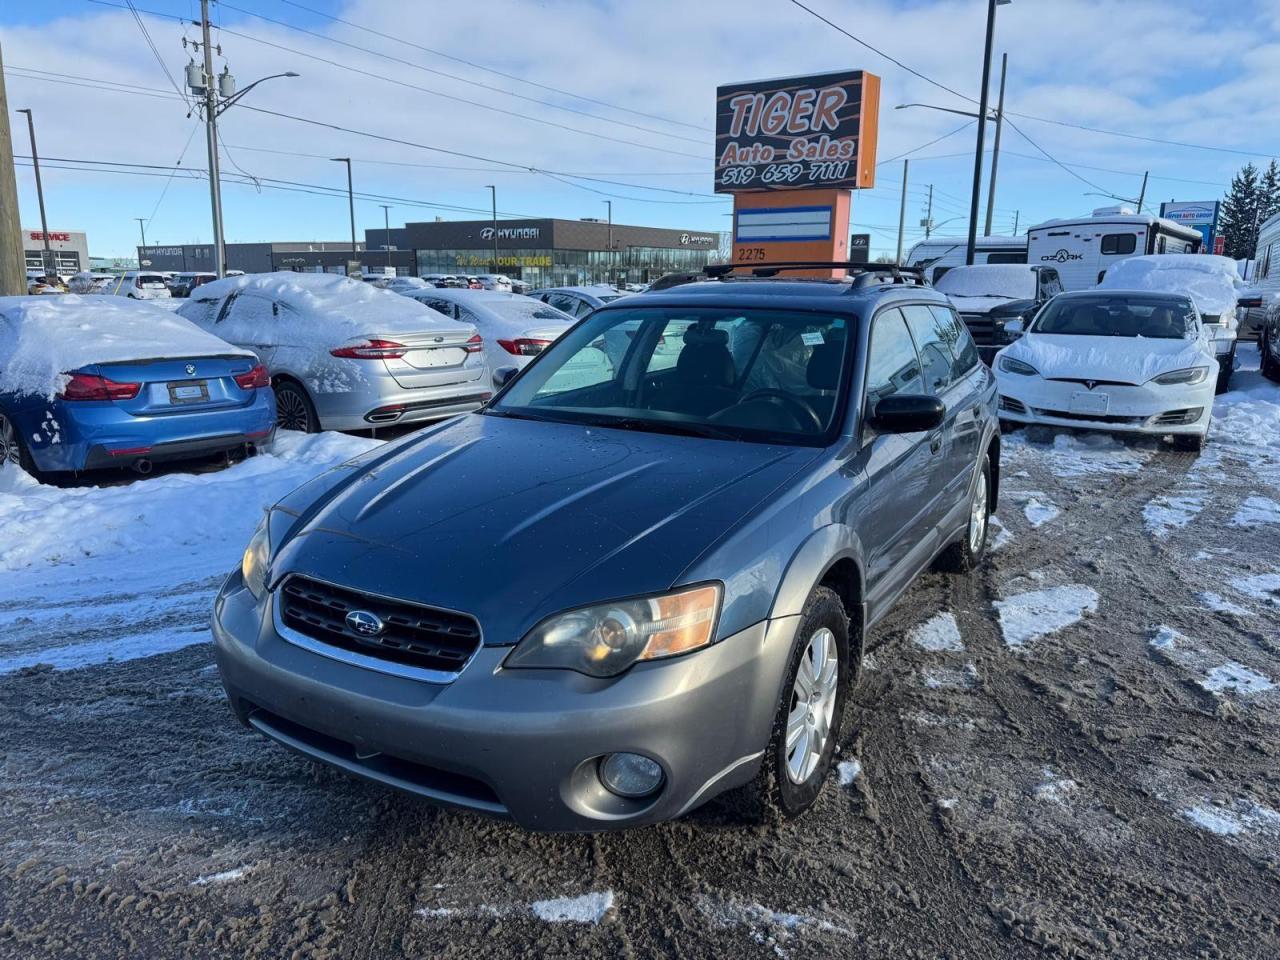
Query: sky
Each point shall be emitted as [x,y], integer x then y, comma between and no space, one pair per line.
[569,93]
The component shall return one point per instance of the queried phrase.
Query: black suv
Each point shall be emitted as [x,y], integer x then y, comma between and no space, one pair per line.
[991,295]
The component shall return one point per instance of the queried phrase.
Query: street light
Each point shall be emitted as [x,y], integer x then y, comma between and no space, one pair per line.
[386,225]
[46,256]
[983,106]
[232,100]
[351,203]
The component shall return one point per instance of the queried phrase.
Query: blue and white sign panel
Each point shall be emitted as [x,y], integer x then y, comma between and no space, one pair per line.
[783,224]
[1200,215]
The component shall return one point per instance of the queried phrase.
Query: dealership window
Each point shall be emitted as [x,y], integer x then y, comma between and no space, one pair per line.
[1114,244]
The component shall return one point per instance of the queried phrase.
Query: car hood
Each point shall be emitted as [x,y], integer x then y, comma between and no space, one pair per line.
[513,520]
[1119,359]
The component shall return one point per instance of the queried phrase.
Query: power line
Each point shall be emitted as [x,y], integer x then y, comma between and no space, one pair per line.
[453,76]
[509,76]
[154,52]
[176,168]
[1084,180]
[963,126]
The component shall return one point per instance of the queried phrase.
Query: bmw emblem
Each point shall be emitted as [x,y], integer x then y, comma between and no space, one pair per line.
[364,623]
[191,369]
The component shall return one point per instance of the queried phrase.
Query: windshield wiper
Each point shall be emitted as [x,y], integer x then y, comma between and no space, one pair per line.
[513,415]
[662,426]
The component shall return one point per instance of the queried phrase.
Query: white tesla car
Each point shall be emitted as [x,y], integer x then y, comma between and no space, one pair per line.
[1114,360]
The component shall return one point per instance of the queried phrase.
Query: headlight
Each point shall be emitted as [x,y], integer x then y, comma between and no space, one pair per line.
[605,639]
[253,565]
[1189,376]
[1014,365]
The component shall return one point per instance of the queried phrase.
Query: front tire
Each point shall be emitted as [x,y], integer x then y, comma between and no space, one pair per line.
[294,410]
[967,552]
[1268,347]
[1227,367]
[806,728]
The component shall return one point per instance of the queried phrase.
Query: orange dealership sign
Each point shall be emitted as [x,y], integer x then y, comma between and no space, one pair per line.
[815,132]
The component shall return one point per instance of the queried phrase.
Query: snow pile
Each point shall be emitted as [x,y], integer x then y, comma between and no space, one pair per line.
[1256,511]
[1038,513]
[941,633]
[1210,281]
[1244,816]
[1075,455]
[1054,789]
[1039,613]
[1167,513]
[1265,586]
[1236,678]
[1006,281]
[1219,604]
[945,678]
[588,908]
[130,571]
[848,771]
[44,338]
[1208,668]
[321,308]
[1000,535]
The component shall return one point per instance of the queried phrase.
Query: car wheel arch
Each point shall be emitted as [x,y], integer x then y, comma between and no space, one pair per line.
[831,556]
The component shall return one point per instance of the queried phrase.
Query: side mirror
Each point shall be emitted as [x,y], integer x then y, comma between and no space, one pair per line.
[908,413]
[1013,329]
[502,376]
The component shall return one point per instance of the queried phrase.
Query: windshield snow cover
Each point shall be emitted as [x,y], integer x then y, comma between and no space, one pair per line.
[1010,281]
[1121,359]
[42,339]
[1210,281]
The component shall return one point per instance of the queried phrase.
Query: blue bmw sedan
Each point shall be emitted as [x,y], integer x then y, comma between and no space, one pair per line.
[88,382]
[597,604]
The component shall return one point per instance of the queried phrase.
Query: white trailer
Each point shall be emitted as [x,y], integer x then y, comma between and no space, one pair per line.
[1082,248]
[940,254]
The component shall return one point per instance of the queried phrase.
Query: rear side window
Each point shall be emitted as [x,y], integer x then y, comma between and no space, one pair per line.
[1114,244]
[1011,257]
[892,364]
[933,341]
[962,346]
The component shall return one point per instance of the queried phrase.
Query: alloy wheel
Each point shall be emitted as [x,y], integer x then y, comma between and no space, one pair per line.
[9,450]
[291,410]
[813,704]
[978,515]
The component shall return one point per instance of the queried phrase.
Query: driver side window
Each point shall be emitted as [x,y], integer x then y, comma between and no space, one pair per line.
[892,364]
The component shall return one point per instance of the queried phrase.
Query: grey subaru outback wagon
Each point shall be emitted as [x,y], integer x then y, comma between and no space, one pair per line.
[594,605]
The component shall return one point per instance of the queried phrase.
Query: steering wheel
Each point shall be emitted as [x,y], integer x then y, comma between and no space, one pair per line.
[806,412]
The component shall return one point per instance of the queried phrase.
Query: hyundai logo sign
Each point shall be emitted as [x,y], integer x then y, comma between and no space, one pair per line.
[365,623]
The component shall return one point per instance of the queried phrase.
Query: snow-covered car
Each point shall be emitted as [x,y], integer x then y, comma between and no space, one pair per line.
[515,329]
[88,281]
[1210,281]
[994,298]
[577,302]
[405,284]
[89,382]
[496,281]
[344,355]
[143,285]
[1115,360]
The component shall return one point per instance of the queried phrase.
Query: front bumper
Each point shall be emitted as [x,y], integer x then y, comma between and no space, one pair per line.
[520,744]
[1145,409]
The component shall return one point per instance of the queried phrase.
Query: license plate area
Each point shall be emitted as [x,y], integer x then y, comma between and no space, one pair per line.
[435,357]
[189,391]
[1088,402]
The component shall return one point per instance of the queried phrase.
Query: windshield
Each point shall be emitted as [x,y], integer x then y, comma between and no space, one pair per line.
[1012,281]
[762,375]
[1160,318]
[526,309]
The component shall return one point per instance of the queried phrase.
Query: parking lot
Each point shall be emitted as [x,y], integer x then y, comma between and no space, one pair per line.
[1072,753]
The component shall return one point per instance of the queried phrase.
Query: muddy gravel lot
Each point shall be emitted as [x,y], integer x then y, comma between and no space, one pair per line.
[1073,753]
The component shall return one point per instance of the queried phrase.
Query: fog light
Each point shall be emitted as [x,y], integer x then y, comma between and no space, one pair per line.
[630,775]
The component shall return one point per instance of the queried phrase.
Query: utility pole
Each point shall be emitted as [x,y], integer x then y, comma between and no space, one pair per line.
[13,262]
[983,107]
[46,256]
[928,216]
[386,224]
[493,195]
[1016,214]
[1142,194]
[351,204]
[902,208]
[211,139]
[995,147]
[613,272]
[142,226]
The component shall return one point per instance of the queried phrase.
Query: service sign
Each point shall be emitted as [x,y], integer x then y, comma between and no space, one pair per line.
[800,133]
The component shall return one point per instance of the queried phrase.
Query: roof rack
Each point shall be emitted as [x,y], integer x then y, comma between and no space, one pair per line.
[864,274]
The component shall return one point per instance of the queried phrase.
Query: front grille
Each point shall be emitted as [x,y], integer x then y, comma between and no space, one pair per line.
[1174,418]
[981,327]
[1090,417]
[1090,383]
[412,634]
[1012,405]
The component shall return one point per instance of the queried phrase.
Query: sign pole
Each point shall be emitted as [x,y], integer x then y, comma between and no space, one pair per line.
[902,209]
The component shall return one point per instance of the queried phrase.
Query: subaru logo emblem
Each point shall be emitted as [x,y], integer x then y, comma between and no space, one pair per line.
[364,623]
[191,369]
